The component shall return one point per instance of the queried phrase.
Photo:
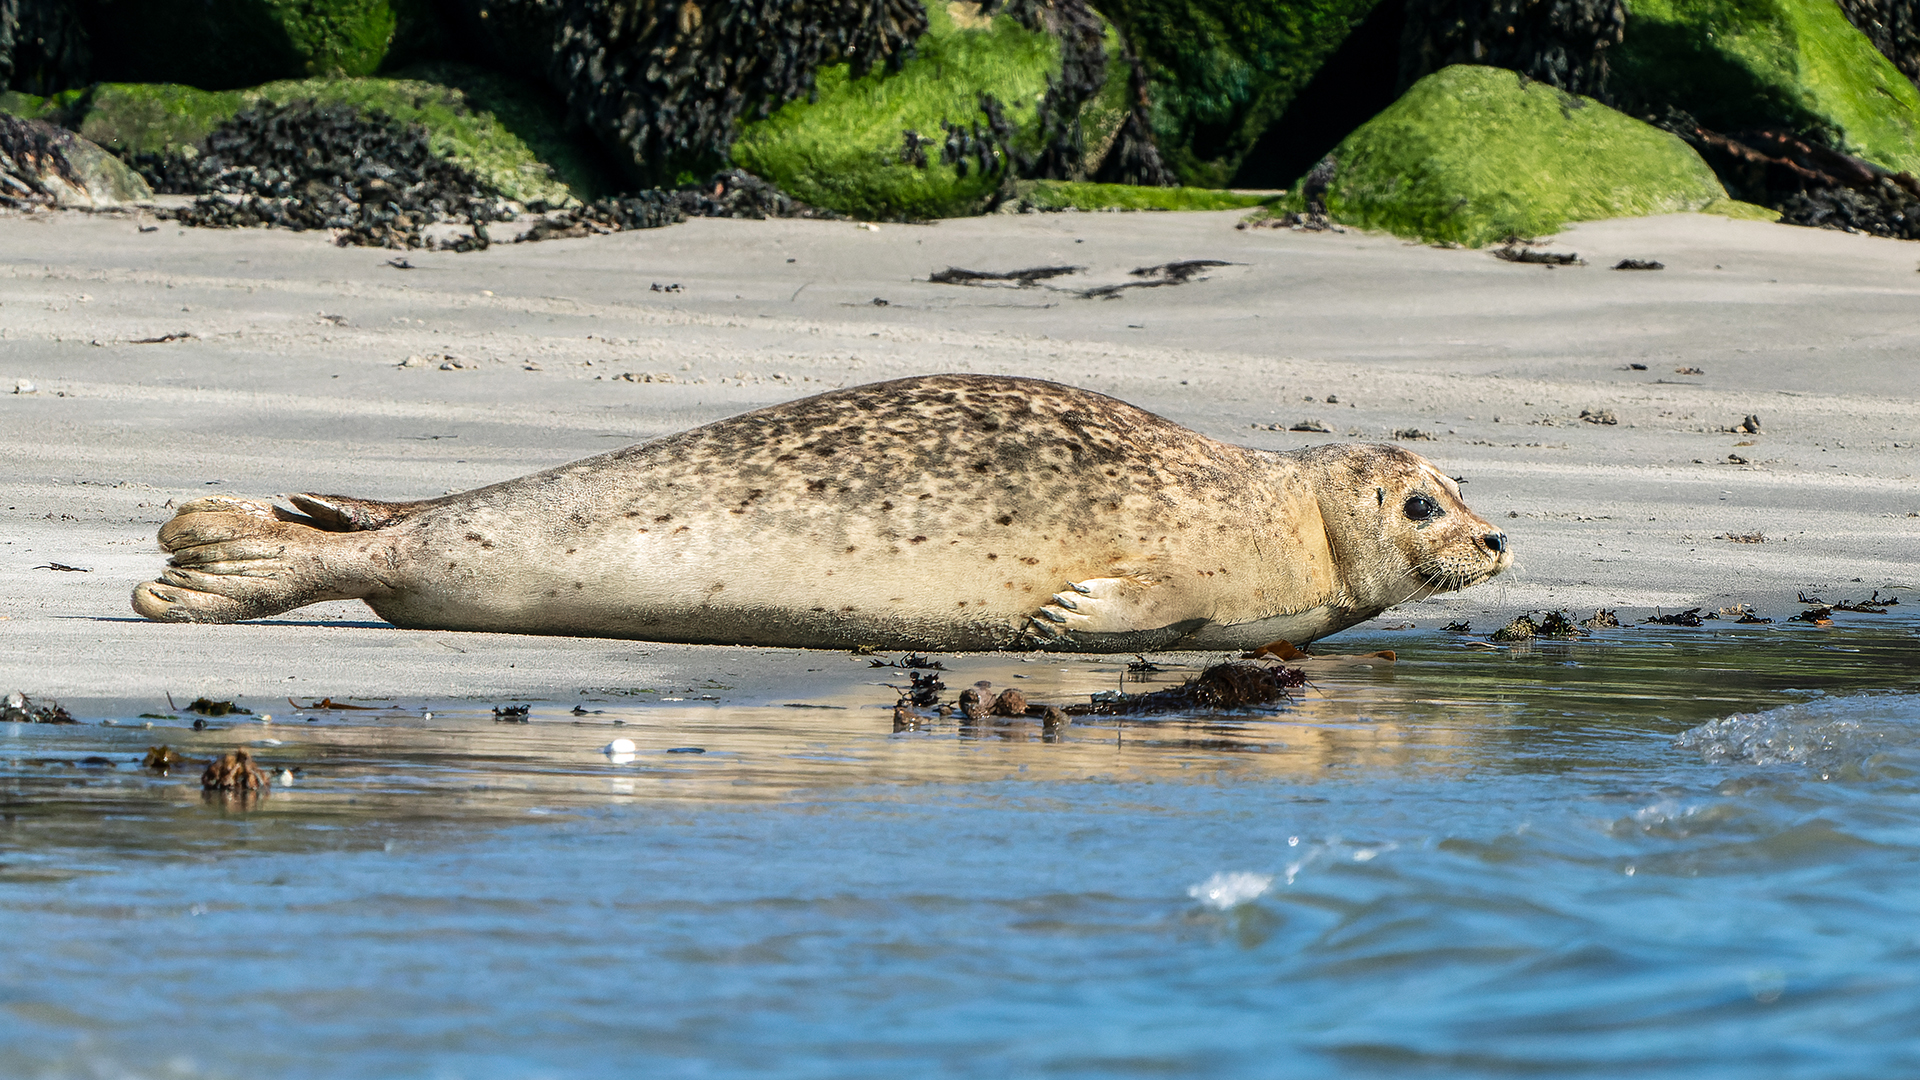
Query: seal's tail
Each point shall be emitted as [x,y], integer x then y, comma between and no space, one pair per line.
[235,559]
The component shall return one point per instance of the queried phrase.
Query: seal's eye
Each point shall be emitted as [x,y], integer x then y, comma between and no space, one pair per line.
[1422,508]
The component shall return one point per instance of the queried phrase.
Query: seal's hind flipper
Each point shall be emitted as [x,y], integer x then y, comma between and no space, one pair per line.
[343,513]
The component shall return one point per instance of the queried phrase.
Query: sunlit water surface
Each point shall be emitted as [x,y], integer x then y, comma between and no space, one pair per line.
[1658,852]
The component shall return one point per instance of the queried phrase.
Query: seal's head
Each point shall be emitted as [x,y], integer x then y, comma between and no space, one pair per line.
[1398,528]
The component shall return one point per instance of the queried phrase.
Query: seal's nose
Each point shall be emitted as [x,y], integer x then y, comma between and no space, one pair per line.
[1496,542]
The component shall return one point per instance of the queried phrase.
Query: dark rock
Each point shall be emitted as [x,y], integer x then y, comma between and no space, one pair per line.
[43,165]
[227,44]
[43,46]
[664,85]
[1563,43]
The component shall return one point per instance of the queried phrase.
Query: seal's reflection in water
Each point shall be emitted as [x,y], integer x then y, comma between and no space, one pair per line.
[447,767]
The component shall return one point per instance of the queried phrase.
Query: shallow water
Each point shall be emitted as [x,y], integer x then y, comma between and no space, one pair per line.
[1657,852]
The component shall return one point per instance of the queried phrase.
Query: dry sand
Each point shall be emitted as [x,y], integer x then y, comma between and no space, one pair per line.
[291,381]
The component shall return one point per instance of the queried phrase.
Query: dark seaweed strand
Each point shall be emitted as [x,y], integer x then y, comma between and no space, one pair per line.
[1894,28]
[667,83]
[1562,43]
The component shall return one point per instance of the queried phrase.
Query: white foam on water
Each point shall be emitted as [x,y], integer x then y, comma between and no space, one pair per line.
[1224,891]
[1822,733]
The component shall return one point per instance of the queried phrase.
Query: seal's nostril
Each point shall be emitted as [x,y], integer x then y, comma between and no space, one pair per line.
[1496,542]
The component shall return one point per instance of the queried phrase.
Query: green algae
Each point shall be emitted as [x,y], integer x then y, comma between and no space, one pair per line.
[510,135]
[1223,70]
[1473,154]
[1756,63]
[1073,195]
[1740,211]
[842,150]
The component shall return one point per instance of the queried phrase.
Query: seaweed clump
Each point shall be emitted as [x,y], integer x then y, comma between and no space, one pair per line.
[1232,685]
[730,194]
[234,772]
[304,165]
[18,708]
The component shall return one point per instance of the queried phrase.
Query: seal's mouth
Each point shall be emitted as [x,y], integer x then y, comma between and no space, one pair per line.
[1440,575]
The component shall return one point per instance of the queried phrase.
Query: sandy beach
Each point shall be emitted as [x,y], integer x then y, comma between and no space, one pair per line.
[140,369]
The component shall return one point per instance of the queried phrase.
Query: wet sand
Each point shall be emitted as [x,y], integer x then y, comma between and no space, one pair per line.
[289,378]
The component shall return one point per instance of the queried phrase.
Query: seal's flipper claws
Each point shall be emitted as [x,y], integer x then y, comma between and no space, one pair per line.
[343,513]
[1079,588]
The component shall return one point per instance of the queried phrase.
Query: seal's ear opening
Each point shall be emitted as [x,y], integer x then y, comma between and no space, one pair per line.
[1380,495]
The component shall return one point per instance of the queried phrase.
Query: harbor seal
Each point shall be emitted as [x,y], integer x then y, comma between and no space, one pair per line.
[945,512]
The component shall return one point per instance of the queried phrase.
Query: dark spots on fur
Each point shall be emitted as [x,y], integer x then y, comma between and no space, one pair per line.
[851,549]
[1031,562]
[786,457]
[1005,519]
[579,584]
[991,555]
[553,592]
[820,609]
[927,496]
[1009,585]
[473,536]
[963,603]
[663,517]
[1113,505]
[643,531]
[571,551]
[1113,472]
[818,487]
[885,506]
[918,540]
[982,466]
[680,530]
[848,608]
[633,513]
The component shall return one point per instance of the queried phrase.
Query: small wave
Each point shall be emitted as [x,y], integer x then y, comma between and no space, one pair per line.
[1224,891]
[1824,734]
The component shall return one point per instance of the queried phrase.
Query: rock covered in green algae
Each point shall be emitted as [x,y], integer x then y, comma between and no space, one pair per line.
[1473,154]
[850,149]
[507,135]
[226,44]
[1793,64]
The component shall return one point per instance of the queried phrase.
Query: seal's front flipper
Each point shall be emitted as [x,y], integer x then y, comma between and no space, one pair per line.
[1111,613]
[344,513]
[235,559]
